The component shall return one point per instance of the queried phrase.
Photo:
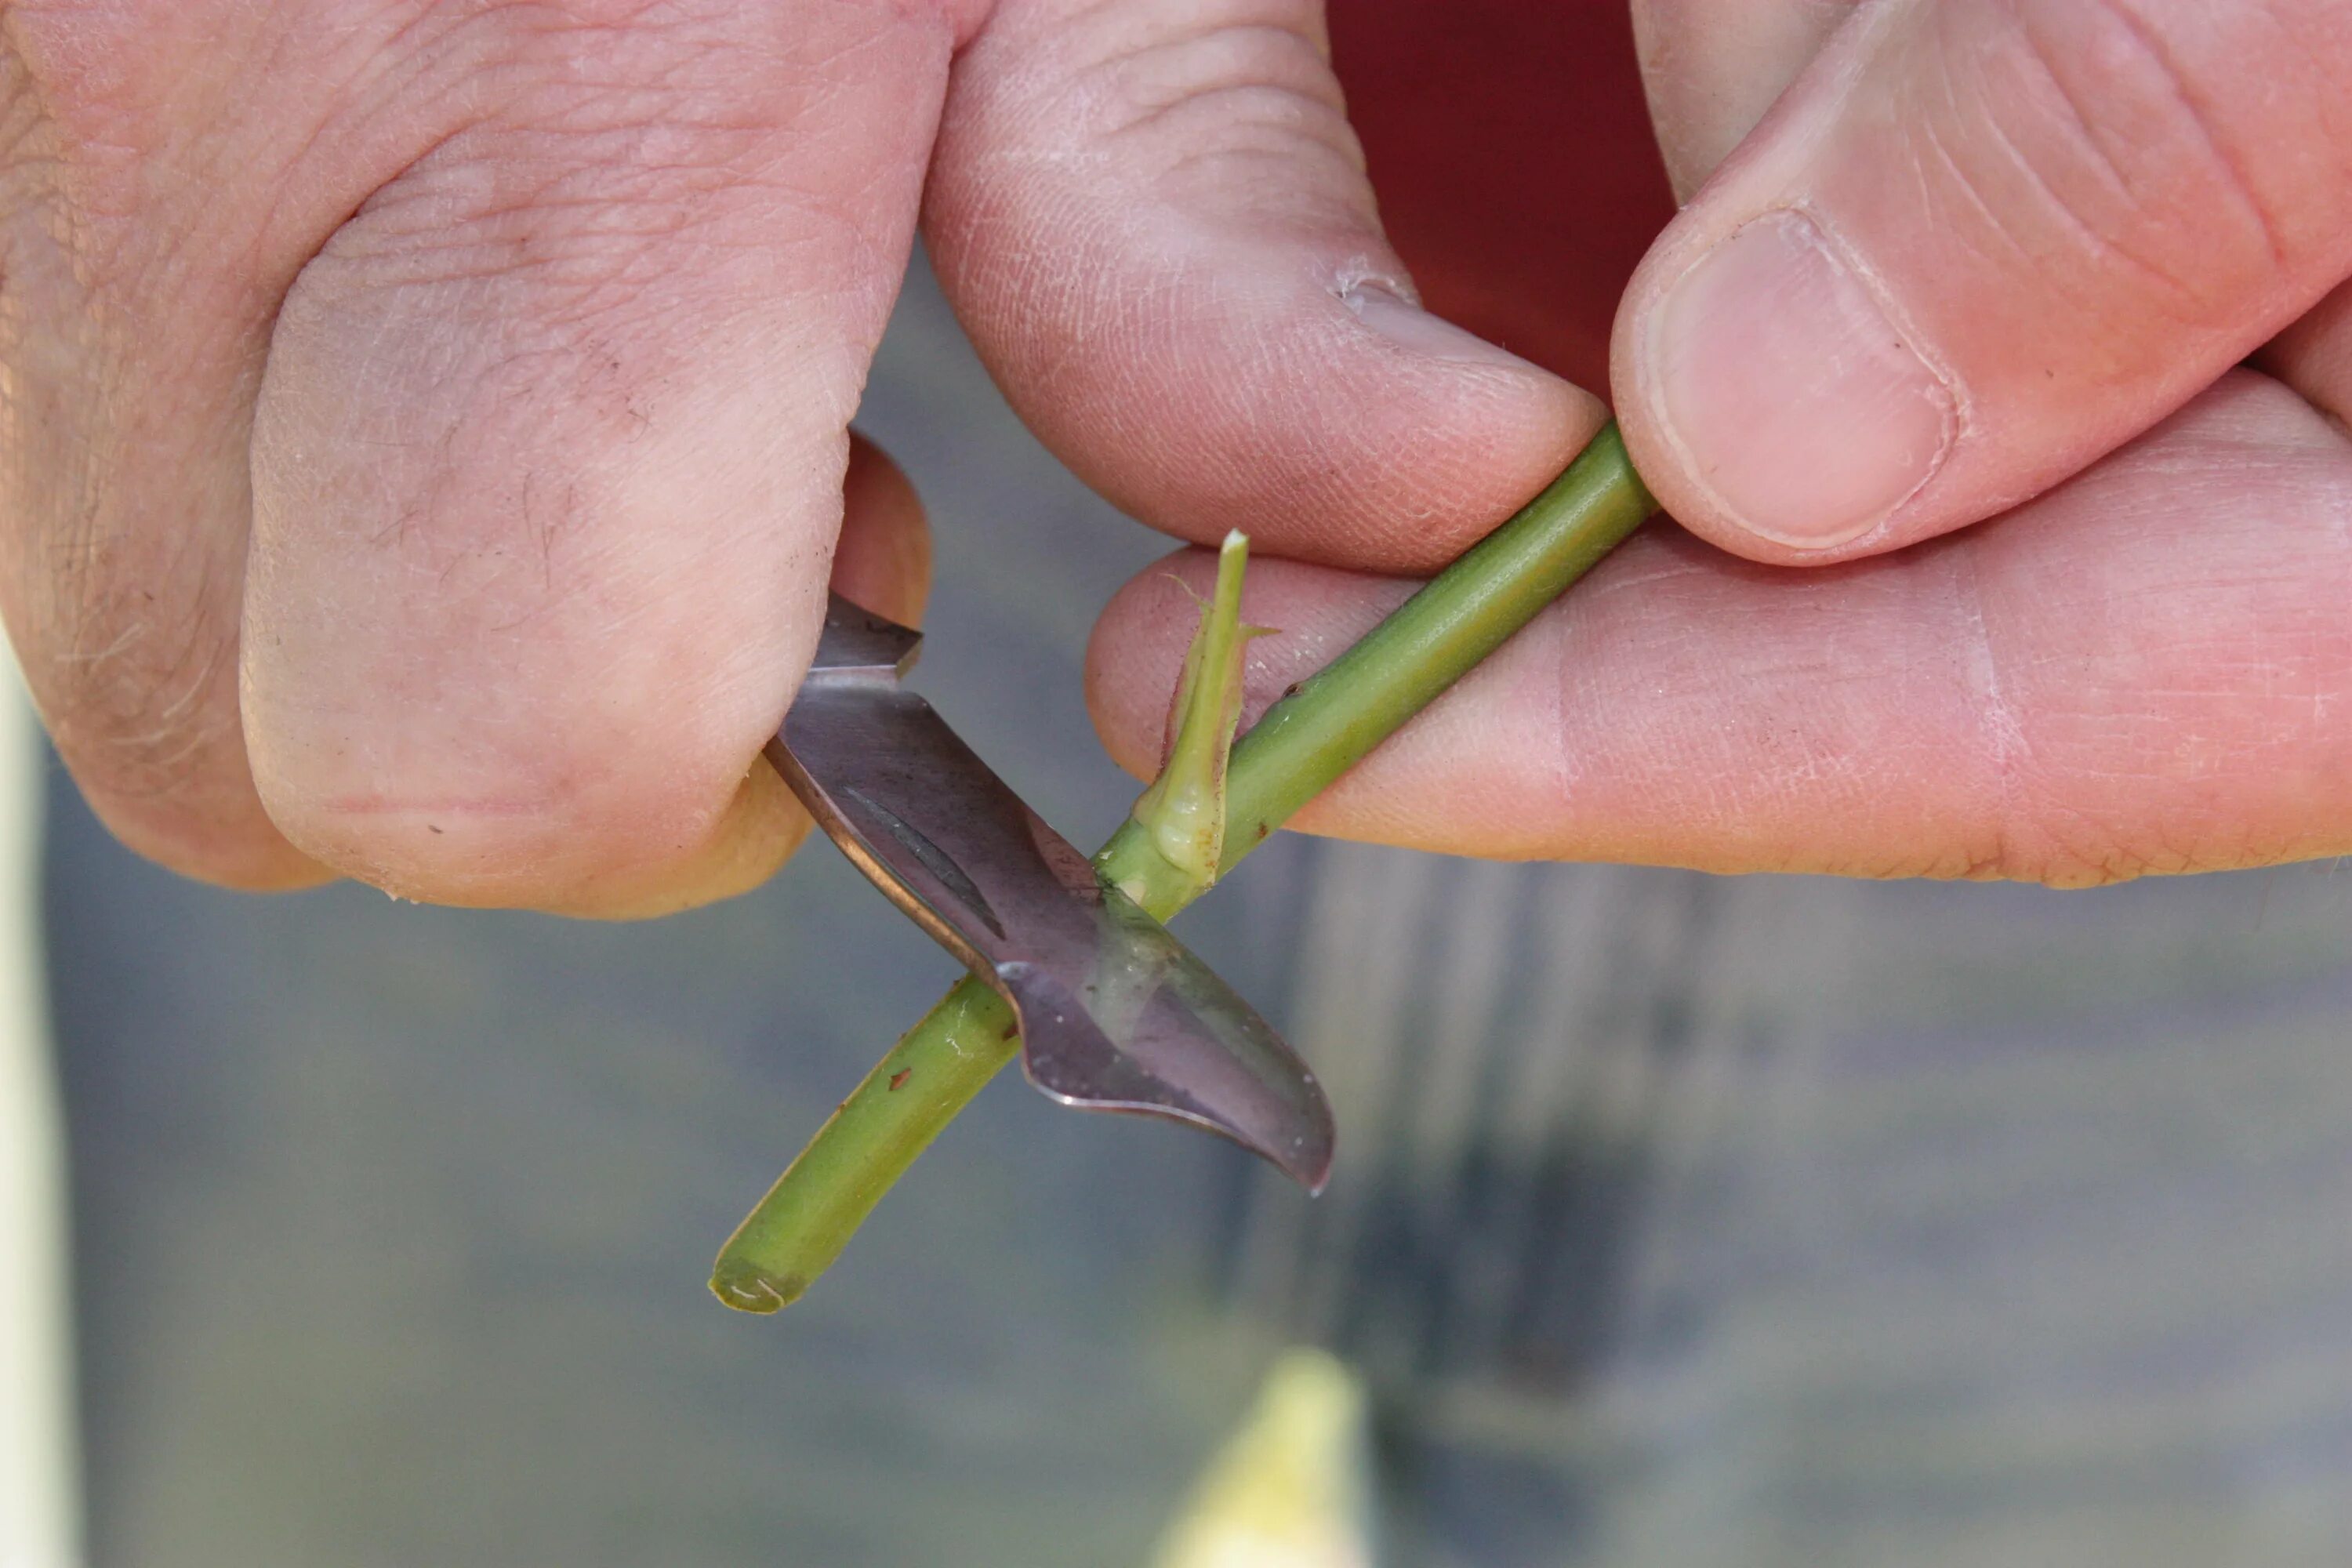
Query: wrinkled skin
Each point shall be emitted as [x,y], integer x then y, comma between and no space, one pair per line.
[424,432]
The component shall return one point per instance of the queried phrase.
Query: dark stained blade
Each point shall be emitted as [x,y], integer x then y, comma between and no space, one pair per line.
[1116,1014]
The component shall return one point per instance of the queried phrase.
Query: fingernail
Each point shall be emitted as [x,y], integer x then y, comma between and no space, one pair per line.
[1433,337]
[1794,397]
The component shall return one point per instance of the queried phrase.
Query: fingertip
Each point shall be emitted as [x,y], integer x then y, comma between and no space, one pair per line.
[1130,679]
[1458,432]
[762,829]
[1843,346]
[1333,421]
[1313,614]
[883,561]
[1179,279]
[1770,398]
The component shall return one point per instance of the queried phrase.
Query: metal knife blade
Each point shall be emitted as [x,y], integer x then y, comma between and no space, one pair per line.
[1116,1014]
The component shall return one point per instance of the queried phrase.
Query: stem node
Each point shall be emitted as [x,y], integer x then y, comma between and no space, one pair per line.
[1320,730]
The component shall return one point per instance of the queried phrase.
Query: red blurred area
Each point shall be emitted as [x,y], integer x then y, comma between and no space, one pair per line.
[1511,149]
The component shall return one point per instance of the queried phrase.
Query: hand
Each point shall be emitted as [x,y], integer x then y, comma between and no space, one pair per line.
[1953,263]
[426,421]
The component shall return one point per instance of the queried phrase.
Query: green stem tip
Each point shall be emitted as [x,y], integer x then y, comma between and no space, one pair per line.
[1182,813]
[1318,730]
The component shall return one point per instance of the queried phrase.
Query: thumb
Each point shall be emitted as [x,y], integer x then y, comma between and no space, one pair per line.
[1977,245]
[1154,221]
[551,452]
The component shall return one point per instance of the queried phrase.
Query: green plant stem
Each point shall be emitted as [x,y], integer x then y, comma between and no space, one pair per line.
[817,1204]
[1318,730]
[1183,811]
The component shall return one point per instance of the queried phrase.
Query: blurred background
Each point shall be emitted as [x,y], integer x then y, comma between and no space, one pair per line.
[1677,1220]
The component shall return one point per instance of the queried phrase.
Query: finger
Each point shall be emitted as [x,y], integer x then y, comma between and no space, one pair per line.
[1154,221]
[1977,245]
[1713,67]
[130,343]
[2149,669]
[2315,356]
[883,563]
[550,458]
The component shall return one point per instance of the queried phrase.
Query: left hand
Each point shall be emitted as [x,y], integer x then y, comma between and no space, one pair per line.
[2078,217]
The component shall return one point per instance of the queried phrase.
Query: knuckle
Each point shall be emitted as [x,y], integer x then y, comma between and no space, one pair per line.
[2148,137]
[75,68]
[141,696]
[1238,97]
[619,134]
[155,748]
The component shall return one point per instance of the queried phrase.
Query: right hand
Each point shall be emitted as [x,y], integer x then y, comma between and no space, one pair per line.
[425,422]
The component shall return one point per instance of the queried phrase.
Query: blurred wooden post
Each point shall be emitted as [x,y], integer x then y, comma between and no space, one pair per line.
[39,1521]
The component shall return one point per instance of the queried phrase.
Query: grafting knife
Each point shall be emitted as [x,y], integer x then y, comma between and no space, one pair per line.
[1114,1013]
